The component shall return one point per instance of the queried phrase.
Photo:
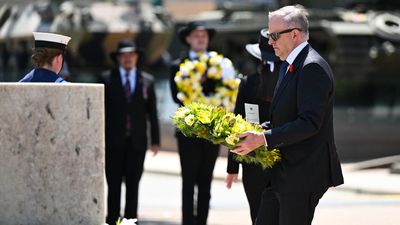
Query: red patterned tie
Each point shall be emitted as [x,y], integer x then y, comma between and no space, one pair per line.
[127,89]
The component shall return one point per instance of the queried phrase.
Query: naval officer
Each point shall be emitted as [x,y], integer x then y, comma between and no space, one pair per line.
[48,57]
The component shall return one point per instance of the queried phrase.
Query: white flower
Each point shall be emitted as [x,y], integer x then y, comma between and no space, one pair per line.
[177,79]
[182,112]
[213,53]
[185,69]
[180,96]
[213,71]
[128,221]
[189,119]
[215,61]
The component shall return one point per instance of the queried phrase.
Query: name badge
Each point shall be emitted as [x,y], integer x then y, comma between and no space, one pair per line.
[251,111]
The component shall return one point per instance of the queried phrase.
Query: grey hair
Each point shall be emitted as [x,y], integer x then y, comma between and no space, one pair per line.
[293,16]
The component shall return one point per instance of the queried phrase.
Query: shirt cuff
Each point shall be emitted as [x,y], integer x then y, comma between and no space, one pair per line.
[265,141]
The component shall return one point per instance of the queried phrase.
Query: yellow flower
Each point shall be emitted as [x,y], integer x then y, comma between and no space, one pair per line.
[216,60]
[232,82]
[203,58]
[204,117]
[232,139]
[202,132]
[201,67]
[214,73]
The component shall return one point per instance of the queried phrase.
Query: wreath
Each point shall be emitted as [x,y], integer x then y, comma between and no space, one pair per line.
[219,126]
[193,74]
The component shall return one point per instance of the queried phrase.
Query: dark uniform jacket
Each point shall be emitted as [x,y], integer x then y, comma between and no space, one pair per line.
[142,109]
[302,120]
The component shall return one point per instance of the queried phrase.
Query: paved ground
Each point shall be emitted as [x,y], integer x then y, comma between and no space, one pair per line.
[371,181]
[369,197]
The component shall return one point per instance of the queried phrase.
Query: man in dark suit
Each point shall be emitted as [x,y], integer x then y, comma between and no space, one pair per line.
[130,103]
[301,119]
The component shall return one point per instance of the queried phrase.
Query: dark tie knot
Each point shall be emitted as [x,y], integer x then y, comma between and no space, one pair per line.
[283,70]
[285,64]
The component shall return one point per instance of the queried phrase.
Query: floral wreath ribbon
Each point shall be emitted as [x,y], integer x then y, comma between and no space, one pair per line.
[212,66]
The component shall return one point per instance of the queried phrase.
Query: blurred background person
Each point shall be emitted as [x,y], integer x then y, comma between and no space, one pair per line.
[253,103]
[130,103]
[197,156]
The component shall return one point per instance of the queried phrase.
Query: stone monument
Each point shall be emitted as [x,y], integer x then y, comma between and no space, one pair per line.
[52,154]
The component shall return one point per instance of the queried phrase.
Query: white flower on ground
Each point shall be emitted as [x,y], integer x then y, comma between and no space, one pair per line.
[128,221]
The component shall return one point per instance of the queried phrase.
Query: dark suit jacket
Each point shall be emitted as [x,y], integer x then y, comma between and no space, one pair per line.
[302,120]
[142,109]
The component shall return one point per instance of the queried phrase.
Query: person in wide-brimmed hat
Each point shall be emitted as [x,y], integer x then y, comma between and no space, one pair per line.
[197,156]
[125,46]
[253,103]
[262,50]
[185,31]
[130,104]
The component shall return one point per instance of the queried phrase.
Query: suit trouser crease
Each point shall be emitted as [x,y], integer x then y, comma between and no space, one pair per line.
[294,208]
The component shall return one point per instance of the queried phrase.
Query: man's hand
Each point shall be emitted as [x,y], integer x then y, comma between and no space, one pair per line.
[155,149]
[252,140]
[231,178]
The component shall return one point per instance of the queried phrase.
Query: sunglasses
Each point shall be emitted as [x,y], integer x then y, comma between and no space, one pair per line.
[275,36]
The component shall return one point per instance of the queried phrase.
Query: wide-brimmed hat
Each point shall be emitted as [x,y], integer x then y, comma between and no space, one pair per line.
[194,25]
[123,47]
[262,50]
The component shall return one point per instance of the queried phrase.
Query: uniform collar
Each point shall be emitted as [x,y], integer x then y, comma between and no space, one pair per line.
[44,75]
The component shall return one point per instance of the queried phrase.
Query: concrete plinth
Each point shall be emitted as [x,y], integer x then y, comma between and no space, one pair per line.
[51,154]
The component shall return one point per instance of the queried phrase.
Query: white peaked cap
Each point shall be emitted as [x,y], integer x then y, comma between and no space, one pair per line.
[50,40]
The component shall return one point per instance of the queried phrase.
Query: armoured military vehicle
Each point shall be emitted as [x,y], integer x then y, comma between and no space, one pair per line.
[361,41]
[95,28]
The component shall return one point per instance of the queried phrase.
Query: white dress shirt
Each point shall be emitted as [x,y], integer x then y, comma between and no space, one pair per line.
[132,77]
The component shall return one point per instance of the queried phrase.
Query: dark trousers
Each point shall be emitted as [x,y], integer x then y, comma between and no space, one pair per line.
[126,164]
[255,179]
[293,208]
[197,159]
